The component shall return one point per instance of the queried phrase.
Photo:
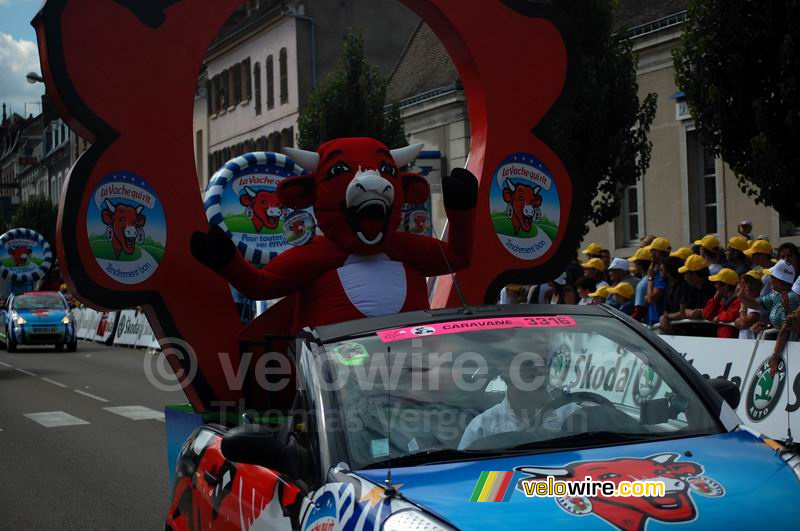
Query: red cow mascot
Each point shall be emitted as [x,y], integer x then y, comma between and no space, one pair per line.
[21,255]
[362,266]
[298,227]
[265,208]
[124,224]
[524,205]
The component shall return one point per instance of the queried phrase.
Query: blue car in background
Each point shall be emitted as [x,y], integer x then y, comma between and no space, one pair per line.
[438,420]
[38,318]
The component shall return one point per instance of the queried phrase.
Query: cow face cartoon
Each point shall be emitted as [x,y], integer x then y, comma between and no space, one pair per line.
[419,223]
[679,478]
[265,208]
[298,227]
[124,226]
[356,190]
[524,204]
[21,254]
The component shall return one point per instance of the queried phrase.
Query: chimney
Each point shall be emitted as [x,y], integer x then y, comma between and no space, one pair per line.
[4,113]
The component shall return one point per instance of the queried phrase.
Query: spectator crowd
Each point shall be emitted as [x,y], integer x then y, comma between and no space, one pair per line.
[733,289]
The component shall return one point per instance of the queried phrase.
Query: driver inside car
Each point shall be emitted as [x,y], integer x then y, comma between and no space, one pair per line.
[524,408]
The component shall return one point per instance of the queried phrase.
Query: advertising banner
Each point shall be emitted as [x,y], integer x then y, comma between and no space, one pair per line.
[130,326]
[25,256]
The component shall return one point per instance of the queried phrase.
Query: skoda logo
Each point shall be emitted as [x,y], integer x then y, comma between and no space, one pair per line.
[423,331]
[646,385]
[765,391]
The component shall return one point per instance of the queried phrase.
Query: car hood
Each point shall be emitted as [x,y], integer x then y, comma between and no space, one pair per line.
[732,479]
[43,317]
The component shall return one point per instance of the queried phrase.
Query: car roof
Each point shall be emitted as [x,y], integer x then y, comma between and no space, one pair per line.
[358,327]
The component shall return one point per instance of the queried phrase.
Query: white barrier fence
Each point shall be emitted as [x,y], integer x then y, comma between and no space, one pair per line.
[128,328]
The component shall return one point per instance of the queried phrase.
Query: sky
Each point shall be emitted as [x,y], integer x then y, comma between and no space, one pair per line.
[19,55]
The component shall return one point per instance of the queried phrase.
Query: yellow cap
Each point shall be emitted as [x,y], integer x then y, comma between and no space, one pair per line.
[63,287]
[594,263]
[660,244]
[693,263]
[682,252]
[602,292]
[759,247]
[726,275]
[592,249]
[641,254]
[739,243]
[709,242]
[623,288]
[753,273]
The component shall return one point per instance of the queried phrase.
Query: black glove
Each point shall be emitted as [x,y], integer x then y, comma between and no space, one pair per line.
[460,190]
[214,248]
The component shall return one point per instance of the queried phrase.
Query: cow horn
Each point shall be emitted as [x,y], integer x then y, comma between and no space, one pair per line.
[543,471]
[249,192]
[510,185]
[110,206]
[402,156]
[308,160]
[663,458]
[139,209]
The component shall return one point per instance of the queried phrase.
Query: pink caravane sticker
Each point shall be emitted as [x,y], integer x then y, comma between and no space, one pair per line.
[471,325]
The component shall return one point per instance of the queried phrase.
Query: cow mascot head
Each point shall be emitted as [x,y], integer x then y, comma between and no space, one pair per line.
[124,226]
[524,204]
[679,478]
[21,254]
[263,208]
[356,189]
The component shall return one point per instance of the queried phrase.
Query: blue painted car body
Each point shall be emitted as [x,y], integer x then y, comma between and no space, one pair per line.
[51,325]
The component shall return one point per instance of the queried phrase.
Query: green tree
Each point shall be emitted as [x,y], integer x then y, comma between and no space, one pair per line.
[351,101]
[37,213]
[606,127]
[739,65]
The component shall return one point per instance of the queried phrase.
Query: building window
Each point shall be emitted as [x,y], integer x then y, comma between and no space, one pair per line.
[702,176]
[247,90]
[257,82]
[287,137]
[787,228]
[224,91]
[284,67]
[630,215]
[236,83]
[270,67]
[198,154]
[213,96]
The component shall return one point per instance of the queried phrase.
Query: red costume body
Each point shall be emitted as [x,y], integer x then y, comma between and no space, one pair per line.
[361,266]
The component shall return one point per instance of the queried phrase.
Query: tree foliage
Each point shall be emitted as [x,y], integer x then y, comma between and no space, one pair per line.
[37,213]
[351,101]
[739,65]
[606,127]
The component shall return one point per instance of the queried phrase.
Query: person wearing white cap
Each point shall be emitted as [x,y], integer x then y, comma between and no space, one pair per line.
[619,271]
[781,301]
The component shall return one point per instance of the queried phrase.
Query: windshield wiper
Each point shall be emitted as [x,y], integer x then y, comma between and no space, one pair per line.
[588,438]
[433,456]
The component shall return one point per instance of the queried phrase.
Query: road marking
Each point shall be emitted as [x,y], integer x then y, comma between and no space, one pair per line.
[29,373]
[48,380]
[6,365]
[136,412]
[90,395]
[55,419]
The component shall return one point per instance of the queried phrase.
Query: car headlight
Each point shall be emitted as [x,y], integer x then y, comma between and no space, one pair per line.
[65,320]
[19,320]
[413,519]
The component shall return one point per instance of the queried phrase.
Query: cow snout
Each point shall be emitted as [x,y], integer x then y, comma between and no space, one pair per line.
[130,232]
[274,212]
[671,485]
[527,211]
[369,187]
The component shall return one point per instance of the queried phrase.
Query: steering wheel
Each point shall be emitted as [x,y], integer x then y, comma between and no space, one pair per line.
[577,396]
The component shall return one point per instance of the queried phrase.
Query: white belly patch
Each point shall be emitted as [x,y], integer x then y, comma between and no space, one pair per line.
[374,284]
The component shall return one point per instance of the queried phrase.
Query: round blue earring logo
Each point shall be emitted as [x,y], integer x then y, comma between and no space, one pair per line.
[126,227]
[524,206]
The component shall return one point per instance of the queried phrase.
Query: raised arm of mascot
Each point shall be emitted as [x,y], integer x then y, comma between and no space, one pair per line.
[361,266]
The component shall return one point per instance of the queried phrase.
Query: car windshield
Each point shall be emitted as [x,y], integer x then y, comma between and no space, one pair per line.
[38,301]
[504,385]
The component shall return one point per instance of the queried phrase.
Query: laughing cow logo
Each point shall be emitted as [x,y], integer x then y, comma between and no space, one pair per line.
[524,205]
[21,255]
[298,227]
[124,226]
[263,208]
[632,513]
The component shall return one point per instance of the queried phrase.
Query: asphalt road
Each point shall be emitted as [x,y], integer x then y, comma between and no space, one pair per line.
[68,462]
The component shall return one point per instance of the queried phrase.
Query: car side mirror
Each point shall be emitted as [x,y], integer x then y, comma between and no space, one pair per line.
[255,444]
[728,390]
